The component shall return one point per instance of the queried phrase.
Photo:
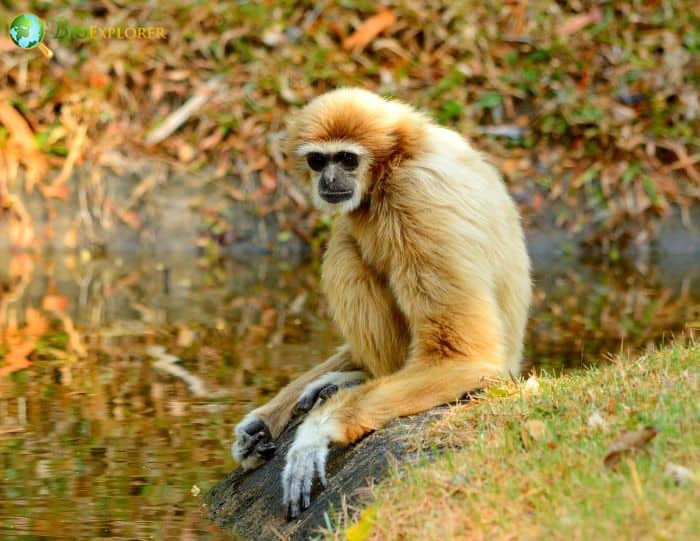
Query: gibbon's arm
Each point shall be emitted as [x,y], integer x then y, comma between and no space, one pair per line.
[376,334]
[457,344]
[363,306]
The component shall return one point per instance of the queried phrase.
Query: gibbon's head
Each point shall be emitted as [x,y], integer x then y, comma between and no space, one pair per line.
[347,141]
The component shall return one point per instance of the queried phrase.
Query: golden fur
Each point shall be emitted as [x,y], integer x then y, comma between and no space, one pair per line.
[427,277]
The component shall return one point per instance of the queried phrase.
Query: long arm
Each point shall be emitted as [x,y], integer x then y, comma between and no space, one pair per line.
[377,342]
[363,306]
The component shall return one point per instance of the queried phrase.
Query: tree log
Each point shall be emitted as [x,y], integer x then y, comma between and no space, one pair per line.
[250,503]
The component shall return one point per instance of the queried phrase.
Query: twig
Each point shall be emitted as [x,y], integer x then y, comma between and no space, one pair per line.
[167,362]
[178,117]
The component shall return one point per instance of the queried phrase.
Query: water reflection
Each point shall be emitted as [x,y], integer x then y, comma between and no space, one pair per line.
[120,379]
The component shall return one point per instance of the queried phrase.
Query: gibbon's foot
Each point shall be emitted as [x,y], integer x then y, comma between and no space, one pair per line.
[253,445]
[306,459]
[326,386]
[308,400]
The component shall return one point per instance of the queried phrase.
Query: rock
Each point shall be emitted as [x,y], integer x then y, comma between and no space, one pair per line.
[250,503]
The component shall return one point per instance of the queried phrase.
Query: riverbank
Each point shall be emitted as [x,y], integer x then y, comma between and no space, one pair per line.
[604,453]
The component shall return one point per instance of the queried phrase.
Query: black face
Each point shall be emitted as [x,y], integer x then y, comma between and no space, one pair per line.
[317,160]
[337,182]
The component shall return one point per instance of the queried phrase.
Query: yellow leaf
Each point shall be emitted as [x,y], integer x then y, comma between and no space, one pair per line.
[363,527]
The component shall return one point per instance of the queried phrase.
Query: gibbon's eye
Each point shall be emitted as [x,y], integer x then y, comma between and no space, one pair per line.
[347,159]
[316,160]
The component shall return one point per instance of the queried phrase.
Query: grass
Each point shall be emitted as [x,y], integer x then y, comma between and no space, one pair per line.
[527,461]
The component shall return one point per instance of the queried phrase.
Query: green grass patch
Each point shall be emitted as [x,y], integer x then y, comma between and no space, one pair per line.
[527,461]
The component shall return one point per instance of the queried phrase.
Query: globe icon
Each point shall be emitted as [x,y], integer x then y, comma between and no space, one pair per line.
[27,31]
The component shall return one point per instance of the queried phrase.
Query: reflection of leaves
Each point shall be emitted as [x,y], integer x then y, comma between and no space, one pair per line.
[579,314]
[20,343]
[627,443]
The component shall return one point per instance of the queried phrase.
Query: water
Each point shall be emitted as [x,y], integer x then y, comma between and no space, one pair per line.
[104,435]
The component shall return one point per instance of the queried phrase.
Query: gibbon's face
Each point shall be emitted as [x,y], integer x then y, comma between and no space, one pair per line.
[338,173]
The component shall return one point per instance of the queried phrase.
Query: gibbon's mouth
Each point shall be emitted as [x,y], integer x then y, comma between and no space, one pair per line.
[335,197]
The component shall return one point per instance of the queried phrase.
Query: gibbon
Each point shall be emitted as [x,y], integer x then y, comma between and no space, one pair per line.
[426,274]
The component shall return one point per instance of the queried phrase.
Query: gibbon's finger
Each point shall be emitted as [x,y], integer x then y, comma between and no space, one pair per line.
[326,386]
[306,492]
[306,403]
[309,400]
[266,449]
[328,391]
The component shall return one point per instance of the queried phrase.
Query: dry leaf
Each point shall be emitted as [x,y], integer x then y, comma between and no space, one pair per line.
[23,144]
[679,474]
[537,429]
[578,22]
[54,302]
[531,388]
[185,337]
[369,30]
[597,422]
[629,441]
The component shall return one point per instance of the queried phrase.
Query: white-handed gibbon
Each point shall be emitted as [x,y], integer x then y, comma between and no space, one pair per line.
[426,274]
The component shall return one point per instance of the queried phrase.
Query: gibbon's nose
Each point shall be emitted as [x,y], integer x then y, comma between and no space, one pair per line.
[329,177]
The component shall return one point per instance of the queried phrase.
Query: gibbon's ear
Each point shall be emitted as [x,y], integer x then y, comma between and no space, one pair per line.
[407,137]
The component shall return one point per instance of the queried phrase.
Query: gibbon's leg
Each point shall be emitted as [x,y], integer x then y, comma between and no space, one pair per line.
[254,435]
[444,365]
[327,385]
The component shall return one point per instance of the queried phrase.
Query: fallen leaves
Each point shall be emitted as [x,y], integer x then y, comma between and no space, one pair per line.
[627,443]
[22,146]
[431,54]
[369,30]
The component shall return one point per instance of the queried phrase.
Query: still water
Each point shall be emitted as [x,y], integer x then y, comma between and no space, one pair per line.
[120,379]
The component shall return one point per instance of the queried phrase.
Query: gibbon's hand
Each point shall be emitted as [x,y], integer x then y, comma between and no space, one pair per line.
[253,445]
[305,460]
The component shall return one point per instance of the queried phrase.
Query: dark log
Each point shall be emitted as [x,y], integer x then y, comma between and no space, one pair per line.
[250,503]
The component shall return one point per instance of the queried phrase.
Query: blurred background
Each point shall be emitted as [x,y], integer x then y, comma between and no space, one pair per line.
[159,266]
